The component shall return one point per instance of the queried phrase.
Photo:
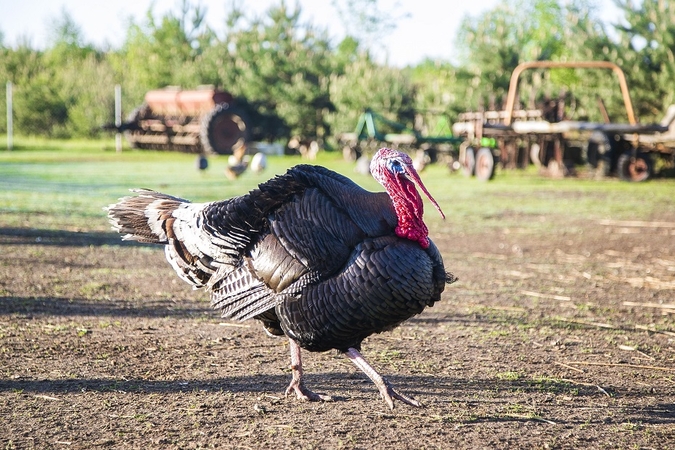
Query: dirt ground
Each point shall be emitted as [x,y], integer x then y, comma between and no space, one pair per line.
[562,342]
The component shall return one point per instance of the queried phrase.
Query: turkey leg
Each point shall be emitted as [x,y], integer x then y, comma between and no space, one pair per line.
[297,383]
[387,391]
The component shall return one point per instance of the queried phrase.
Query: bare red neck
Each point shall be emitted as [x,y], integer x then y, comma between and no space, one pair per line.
[409,211]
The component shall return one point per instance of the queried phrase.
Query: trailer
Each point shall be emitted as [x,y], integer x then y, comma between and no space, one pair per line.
[549,139]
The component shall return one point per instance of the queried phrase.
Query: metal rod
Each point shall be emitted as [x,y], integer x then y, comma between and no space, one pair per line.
[118,116]
[10,124]
[513,85]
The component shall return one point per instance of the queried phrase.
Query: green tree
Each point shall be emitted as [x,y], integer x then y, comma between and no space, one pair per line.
[88,89]
[587,39]
[81,78]
[493,44]
[278,64]
[159,51]
[38,105]
[436,98]
[647,40]
[365,84]
[39,108]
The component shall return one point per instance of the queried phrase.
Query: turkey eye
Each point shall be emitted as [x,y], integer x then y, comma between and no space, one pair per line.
[395,166]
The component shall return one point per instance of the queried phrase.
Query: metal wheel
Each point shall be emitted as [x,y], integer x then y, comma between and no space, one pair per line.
[638,168]
[224,130]
[485,164]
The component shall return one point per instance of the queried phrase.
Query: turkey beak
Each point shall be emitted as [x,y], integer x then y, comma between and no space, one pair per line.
[413,176]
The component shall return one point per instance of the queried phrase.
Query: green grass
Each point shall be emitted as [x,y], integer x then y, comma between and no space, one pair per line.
[65,185]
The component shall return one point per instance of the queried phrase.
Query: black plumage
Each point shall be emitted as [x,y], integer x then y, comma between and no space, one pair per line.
[309,253]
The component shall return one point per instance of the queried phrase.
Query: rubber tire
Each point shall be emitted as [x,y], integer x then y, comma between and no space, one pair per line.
[485,164]
[641,169]
[469,166]
[224,129]
[535,151]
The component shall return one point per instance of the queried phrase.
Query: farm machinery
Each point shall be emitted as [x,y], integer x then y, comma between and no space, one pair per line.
[193,121]
[368,137]
[202,121]
[549,139]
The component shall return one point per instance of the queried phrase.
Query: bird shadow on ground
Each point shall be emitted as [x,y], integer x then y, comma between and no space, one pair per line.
[189,308]
[441,385]
[37,236]
[31,307]
[61,306]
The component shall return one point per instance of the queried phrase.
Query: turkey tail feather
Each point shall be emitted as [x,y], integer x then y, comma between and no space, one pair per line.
[145,217]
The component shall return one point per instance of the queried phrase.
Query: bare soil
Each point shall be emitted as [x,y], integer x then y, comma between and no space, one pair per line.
[560,341]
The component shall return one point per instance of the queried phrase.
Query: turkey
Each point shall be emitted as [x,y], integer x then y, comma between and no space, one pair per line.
[310,254]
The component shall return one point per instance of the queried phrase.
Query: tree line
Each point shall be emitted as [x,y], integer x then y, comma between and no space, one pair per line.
[297,82]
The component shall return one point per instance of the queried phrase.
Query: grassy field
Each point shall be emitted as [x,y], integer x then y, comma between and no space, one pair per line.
[63,185]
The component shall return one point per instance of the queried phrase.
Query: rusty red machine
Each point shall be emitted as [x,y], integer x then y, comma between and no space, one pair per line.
[202,121]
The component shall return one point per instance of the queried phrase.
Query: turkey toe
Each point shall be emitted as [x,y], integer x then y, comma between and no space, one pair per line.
[305,394]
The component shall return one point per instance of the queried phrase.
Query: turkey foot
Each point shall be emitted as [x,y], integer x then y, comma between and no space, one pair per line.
[297,384]
[386,389]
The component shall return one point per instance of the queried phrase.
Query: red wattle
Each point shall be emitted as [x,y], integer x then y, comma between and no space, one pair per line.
[409,210]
